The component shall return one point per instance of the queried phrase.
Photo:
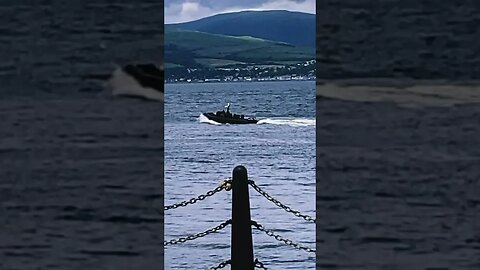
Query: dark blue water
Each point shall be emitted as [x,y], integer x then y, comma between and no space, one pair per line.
[397,188]
[425,39]
[279,155]
[398,167]
[80,171]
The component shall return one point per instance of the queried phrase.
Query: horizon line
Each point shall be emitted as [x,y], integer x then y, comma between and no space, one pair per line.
[238,11]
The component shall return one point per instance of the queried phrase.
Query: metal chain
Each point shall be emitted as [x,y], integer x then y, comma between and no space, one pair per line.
[224,185]
[279,204]
[280,238]
[197,235]
[221,265]
[259,264]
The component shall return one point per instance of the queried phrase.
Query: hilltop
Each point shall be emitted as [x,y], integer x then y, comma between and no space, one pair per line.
[294,28]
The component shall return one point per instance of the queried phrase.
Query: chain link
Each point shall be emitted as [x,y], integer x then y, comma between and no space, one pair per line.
[224,185]
[197,235]
[259,264]
[221,265]
[280,238]
[279,204]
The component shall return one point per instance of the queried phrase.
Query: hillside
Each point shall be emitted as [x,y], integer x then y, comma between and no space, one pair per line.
[193,49]
[295,28]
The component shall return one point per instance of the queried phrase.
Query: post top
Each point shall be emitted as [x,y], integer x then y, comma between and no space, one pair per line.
[240,169]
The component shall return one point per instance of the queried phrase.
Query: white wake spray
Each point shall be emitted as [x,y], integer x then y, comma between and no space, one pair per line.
[203,119]
[295,122]
[122,84]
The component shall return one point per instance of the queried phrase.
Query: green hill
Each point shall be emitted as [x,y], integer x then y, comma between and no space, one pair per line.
[192,49]
[295,28]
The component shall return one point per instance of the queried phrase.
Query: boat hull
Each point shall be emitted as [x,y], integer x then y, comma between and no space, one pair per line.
[229,120]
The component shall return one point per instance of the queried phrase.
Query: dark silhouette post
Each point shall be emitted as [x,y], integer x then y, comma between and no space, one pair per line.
[242,246]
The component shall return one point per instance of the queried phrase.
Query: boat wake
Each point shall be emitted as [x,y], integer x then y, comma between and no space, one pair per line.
[203,119]
[122,83]
[295,122]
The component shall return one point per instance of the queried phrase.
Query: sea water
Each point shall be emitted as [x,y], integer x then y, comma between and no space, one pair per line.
[278,152]
[80,171]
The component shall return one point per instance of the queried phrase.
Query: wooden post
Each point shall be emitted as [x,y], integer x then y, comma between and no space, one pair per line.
[242,246]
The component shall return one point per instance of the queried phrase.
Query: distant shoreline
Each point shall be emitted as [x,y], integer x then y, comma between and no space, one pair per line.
[240,81]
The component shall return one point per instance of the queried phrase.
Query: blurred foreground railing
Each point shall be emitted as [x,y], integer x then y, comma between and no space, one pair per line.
[241,240]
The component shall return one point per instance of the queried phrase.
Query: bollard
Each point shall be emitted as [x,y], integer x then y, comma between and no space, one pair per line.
[242,246]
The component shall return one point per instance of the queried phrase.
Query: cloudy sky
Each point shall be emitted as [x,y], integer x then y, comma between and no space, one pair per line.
[188,10]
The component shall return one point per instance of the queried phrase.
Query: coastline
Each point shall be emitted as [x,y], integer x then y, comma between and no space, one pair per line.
[241,81]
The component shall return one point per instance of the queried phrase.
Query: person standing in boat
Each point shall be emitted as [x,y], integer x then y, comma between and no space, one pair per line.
[227,111]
